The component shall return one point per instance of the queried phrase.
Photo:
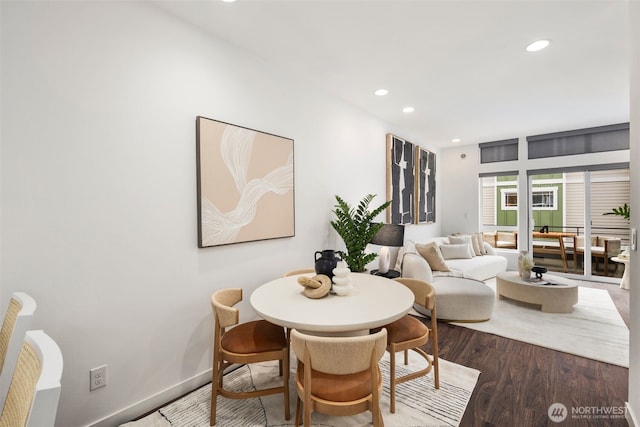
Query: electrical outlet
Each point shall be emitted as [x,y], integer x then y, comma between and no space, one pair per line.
[97,377]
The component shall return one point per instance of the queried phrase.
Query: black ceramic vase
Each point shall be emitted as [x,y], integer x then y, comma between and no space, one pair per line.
[326,261]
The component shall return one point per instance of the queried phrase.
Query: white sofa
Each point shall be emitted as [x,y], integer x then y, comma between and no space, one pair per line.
[411,264]
[461,295]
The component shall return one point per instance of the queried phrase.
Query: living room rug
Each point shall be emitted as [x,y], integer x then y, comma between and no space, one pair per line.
[418,403]
[594,330]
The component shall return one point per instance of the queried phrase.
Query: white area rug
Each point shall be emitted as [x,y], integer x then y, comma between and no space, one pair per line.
[594,330]
[418,403]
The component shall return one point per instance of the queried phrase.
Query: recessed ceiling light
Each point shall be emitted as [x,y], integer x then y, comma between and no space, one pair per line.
[229,1]
[537,45]
[381,92]
[455,140]
[408,110]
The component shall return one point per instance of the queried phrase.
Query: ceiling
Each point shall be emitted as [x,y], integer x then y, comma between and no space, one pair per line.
[461,64]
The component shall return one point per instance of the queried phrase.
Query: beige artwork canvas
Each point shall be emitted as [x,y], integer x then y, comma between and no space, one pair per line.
[245,184]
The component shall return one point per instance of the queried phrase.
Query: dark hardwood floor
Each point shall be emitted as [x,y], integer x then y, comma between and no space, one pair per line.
[519,381]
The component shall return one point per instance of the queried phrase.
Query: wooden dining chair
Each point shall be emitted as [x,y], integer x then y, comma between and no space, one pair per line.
[409,333]
[338,375]
[34,392]
[242,343]
[16,323]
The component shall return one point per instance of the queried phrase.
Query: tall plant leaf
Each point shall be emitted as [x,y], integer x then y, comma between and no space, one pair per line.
[356,228]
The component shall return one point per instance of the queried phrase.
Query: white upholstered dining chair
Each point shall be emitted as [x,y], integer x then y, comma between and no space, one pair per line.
[34,391]
[244,343]
[338,375]
[409,333]
[16,323]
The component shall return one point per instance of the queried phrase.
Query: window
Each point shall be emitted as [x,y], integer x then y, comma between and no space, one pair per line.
[542,198]
[509,198]
[499,201]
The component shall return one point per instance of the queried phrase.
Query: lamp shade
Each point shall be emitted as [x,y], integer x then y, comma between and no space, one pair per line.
[389,235]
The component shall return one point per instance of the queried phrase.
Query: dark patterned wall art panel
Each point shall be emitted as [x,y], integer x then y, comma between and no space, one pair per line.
[400,180]
[425,186]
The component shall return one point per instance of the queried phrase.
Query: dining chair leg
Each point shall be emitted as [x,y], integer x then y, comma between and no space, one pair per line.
[376,412]
[436,371]
[406,357]
[434,345]
[214,398]
[392,382]
[298,412]
[307,414]
[285,379]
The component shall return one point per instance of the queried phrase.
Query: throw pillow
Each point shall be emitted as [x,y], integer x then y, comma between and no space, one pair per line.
[458,240]
[478,244]
[431,252]
[456,251]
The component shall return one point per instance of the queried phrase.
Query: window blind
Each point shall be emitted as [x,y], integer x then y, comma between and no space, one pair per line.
[499,151]
[581,141]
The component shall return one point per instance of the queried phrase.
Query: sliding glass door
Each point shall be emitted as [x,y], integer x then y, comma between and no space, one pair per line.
[573,226]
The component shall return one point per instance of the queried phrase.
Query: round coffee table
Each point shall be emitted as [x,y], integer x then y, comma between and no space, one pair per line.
[558,296]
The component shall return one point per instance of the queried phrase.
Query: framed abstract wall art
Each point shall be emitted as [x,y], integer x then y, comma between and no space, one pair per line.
[400,180]
[245,184]
[425,186]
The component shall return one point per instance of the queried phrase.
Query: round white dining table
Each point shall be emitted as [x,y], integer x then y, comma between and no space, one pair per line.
[375,301]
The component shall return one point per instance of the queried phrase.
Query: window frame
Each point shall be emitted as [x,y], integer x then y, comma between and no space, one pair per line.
[505,192]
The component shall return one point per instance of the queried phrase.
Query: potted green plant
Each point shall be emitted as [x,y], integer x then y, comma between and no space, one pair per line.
[356,228]
[623,211]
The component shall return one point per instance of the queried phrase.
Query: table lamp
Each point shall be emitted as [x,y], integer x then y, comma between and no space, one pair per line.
[388,235]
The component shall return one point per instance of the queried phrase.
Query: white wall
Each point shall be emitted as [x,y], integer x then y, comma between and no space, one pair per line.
[633,405]
[98,198]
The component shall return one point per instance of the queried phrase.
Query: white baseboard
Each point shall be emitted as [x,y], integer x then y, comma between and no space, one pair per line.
[147,405]
[630,416]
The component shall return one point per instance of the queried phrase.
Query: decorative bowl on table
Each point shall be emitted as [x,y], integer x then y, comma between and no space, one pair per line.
[539,271]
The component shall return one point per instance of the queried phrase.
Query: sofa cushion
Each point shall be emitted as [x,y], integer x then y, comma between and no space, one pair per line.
[463,239]
[431,252]
[456,251]
[479,268]
[478,244]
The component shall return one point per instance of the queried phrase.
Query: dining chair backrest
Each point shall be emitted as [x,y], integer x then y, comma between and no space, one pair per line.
[222,303]
[34,392]
[339,355]
[17,321]
[423,292]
